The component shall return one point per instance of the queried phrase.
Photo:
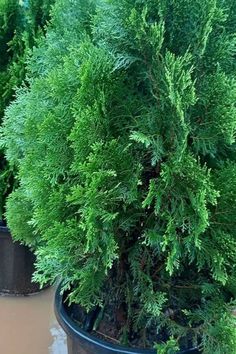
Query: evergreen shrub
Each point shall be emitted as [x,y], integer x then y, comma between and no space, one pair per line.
[21,25]
[125,143]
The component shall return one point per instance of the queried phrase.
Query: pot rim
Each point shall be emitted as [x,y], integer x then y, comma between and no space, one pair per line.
[4,229]
[72,329]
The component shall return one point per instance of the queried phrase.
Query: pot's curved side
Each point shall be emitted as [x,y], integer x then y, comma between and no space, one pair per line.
[81,342]
[16,266]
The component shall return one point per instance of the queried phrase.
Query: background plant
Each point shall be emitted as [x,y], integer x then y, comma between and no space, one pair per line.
[126,156]
[21,24]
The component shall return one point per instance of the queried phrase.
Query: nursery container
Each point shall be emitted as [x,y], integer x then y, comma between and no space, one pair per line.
[16,266]
[82,342]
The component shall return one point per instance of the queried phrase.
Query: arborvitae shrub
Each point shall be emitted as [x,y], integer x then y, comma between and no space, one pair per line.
[21,24]
[125,144]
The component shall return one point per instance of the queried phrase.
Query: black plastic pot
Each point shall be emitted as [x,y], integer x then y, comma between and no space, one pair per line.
[16,266]
[82,342]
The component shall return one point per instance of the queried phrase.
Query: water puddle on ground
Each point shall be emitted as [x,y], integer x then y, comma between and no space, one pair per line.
[28,325]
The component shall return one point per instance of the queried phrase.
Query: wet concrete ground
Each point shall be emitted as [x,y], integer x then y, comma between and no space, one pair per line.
[28,325]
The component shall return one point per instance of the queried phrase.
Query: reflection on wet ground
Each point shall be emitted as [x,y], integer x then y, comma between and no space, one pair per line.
[28,325]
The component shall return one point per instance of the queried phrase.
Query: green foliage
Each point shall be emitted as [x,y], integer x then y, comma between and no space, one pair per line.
[21,24]
[20,224]
[170,347]
[125,134]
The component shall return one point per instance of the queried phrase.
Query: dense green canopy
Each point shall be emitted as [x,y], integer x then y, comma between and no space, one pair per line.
[125,144]
[21,24]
